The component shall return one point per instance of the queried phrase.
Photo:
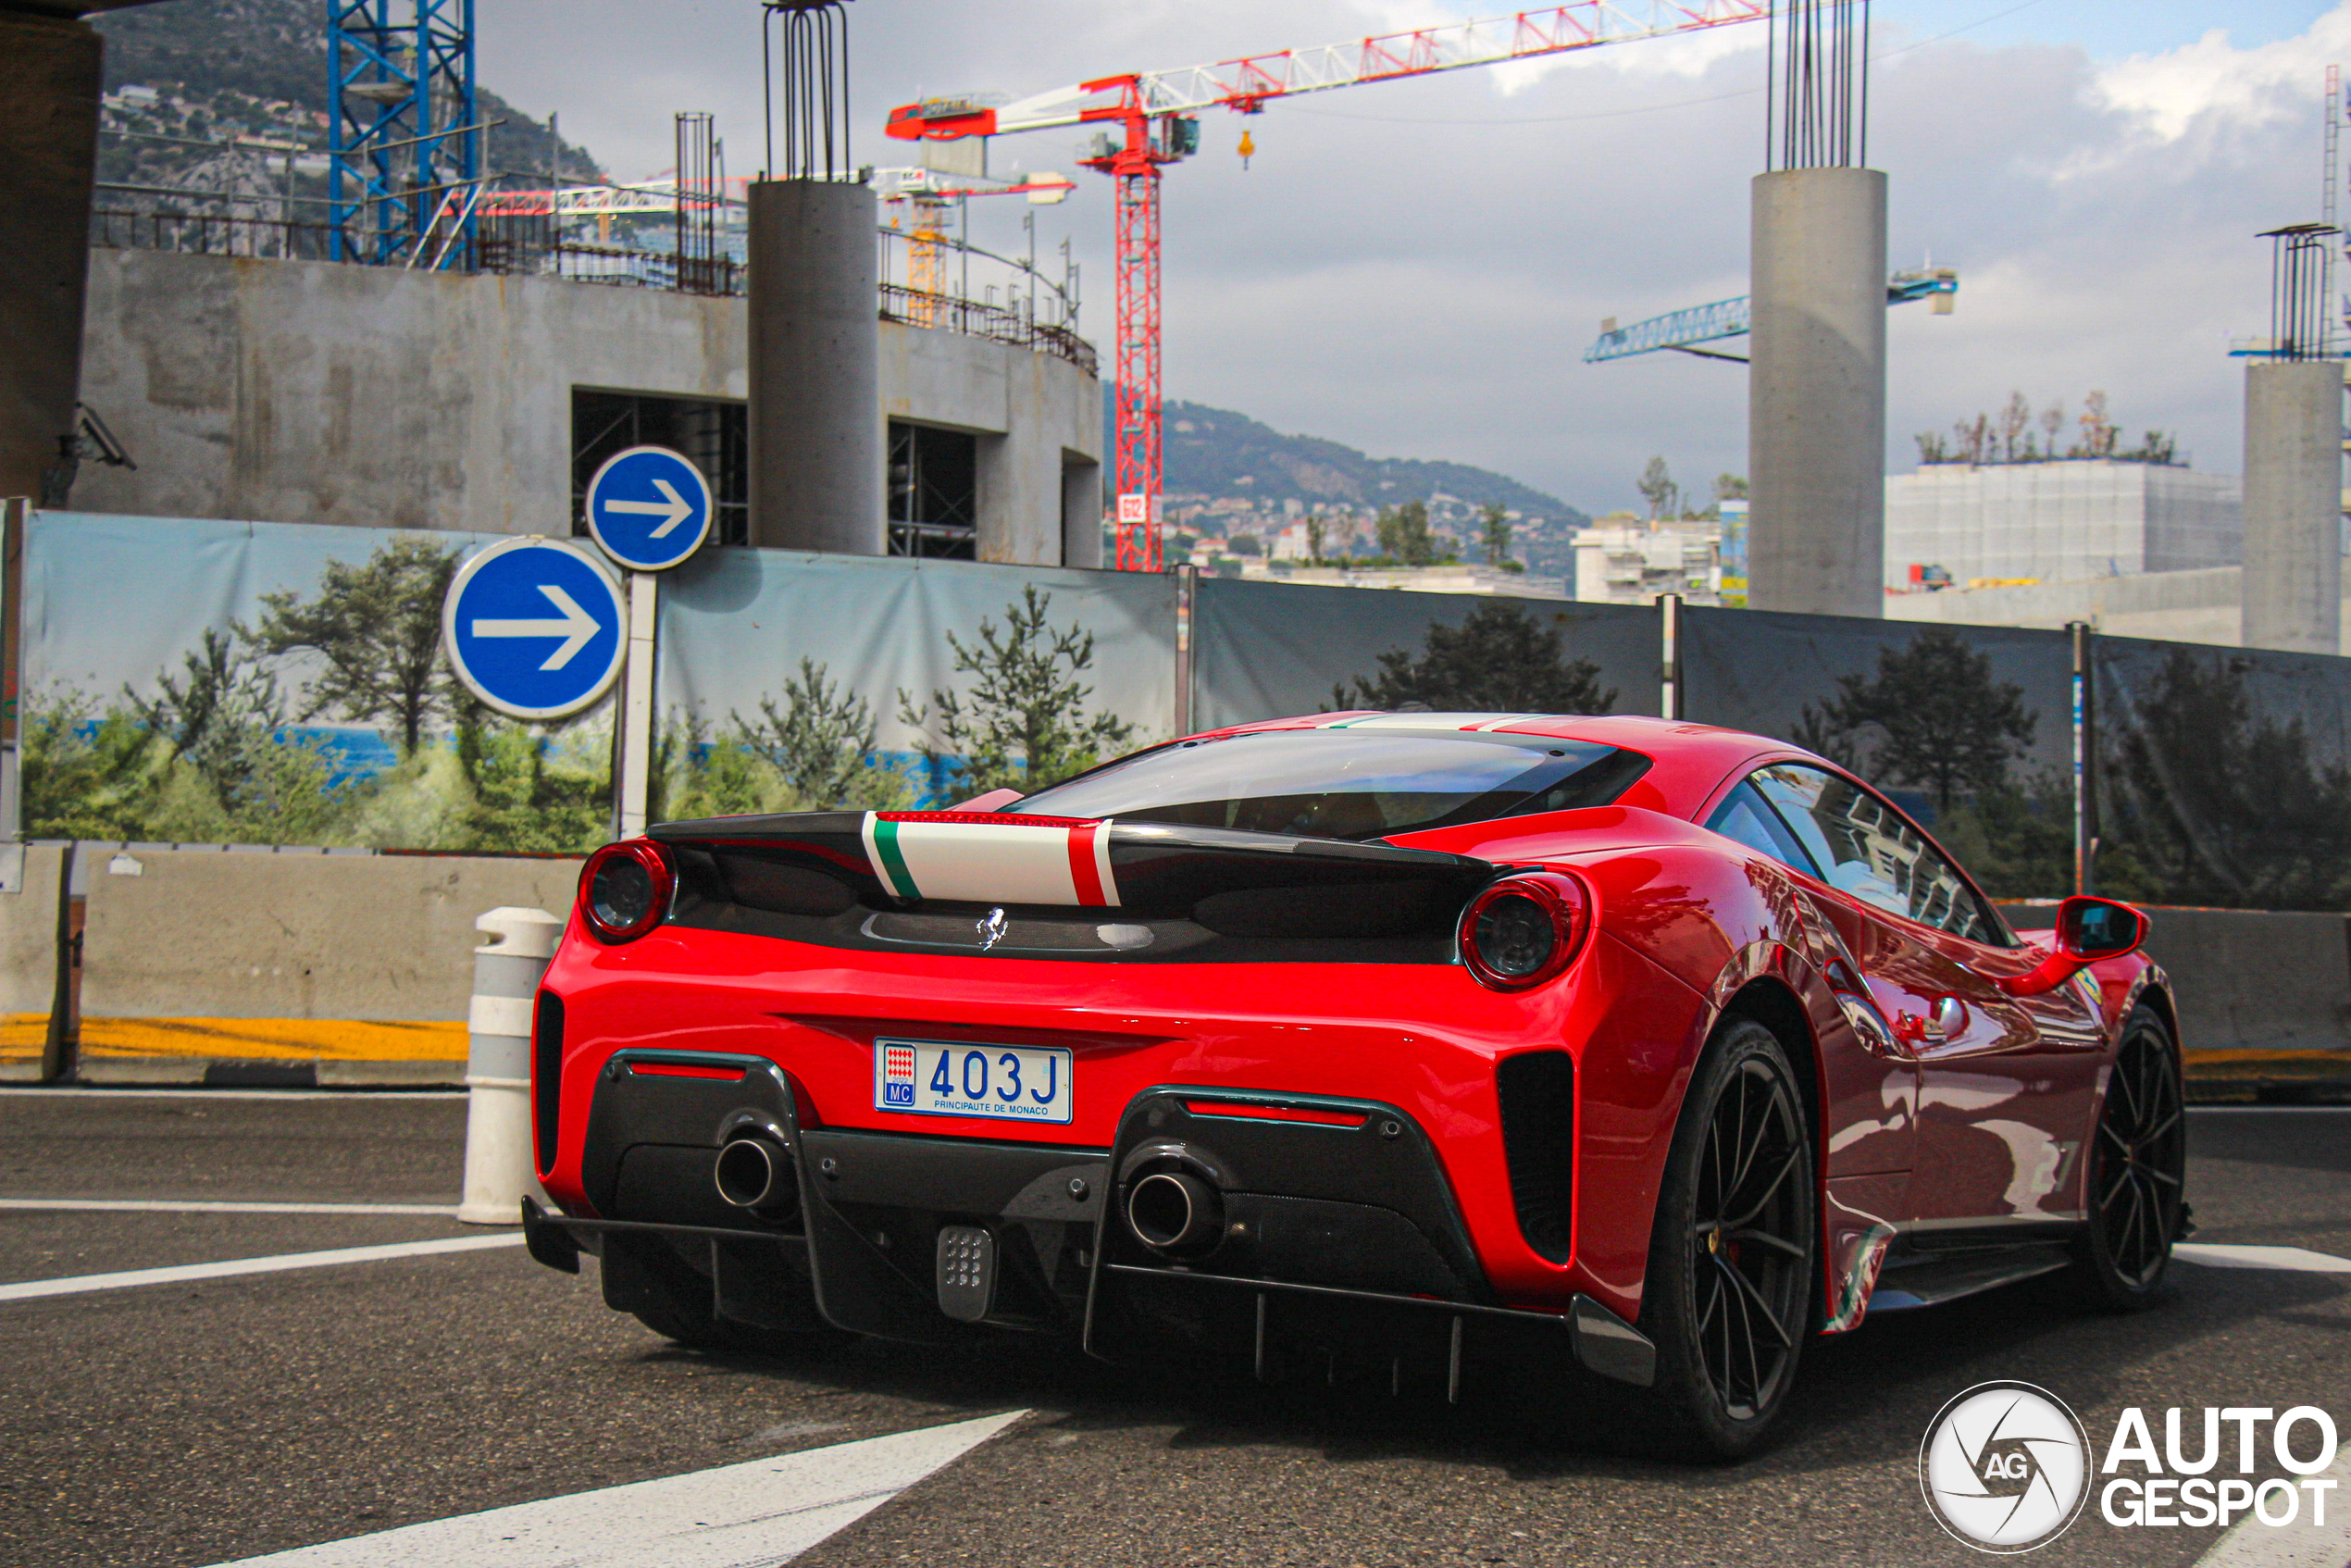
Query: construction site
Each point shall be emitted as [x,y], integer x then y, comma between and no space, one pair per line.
[863,496]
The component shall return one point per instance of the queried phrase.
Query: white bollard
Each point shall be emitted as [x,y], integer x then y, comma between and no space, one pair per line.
[499,1163]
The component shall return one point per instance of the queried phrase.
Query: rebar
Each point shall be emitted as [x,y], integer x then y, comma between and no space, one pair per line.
[2299,328]
[816,88]
[1817,85]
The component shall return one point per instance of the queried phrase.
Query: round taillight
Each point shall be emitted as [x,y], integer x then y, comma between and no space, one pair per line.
[624,890]
[1524,929]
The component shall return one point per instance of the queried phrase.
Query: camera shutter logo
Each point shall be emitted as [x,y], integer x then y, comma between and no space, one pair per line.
[2005,1467]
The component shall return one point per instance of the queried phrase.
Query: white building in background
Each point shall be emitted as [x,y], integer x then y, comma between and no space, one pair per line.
[2062,521]
[1633,566]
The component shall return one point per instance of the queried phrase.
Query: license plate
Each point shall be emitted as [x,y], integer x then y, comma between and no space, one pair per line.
[935,1077]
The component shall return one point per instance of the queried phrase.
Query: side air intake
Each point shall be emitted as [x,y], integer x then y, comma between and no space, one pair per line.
[546,1074]
[1537,1093]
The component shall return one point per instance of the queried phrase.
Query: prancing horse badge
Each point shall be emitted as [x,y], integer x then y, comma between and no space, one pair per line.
[992,930]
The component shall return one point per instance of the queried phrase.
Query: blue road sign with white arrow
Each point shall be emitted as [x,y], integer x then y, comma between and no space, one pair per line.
[649,508]
[536,627]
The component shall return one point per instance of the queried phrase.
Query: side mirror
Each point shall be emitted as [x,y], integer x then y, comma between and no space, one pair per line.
[2089,929]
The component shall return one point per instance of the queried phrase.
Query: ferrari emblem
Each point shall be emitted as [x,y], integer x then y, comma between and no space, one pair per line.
[992,929]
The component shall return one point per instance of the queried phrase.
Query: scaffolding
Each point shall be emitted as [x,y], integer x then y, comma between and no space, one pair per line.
[404,173]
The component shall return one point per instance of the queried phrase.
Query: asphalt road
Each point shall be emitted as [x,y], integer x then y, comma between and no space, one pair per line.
[193,1422]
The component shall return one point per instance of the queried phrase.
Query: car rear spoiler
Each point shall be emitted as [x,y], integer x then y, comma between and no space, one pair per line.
[893,858]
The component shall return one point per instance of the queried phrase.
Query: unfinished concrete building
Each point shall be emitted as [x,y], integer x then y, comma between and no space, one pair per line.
[298,391]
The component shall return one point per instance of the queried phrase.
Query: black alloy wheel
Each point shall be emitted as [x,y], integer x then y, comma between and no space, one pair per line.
[2138,1168]
[1732,1257]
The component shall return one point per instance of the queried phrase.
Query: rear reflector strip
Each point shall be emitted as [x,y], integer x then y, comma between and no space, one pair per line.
[682,1070]
[1275,1112]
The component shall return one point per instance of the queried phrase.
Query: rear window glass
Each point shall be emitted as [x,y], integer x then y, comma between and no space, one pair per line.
[1345,784]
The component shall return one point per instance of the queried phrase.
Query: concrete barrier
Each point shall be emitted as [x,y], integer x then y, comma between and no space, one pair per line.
[2262,995]
[32,909]
[205,966]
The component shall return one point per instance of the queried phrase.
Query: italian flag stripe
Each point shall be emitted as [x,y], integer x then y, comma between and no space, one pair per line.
[890,864]
[1086,876]
[994,859]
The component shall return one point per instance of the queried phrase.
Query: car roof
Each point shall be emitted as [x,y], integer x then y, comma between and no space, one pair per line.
[1690,762]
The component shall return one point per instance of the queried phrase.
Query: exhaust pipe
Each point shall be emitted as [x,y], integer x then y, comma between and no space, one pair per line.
[753,1174]
[1174,1213]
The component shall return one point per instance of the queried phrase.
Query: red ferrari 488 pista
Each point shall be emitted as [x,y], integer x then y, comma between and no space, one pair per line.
[1411,1041]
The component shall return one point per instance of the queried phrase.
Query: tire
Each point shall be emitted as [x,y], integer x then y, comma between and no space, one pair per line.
[1734,1252]
[2136,1186]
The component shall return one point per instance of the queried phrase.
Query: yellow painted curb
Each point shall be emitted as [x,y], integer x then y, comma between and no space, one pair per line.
[250,1040]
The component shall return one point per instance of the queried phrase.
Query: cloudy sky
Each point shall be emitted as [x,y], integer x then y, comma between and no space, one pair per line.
[1416,268]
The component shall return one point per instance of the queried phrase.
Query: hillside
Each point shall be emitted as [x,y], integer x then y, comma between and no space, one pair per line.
[1228,475]
[228,68]
[1216,452]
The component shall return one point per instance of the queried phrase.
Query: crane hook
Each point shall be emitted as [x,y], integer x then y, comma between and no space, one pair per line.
[1248,147]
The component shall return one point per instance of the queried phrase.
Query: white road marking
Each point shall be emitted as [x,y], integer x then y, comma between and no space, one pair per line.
[198,1206]
[32,1290]
[750,1515]
[2249,1543]
[2299,1260]
[44,1091]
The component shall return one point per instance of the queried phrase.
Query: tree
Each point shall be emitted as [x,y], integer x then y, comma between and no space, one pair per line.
[2052,421]
[377,627]
[1729,487]
[1657,488]
[1495,521]
[2098,433]
[1315,531]
[2206,801]
[821,741]
[1501,659]
[217,715]
[1246,544]
[2016,418]
[1936,718]
[1023,725]
[1930,447]
[84,774]
[1403,534]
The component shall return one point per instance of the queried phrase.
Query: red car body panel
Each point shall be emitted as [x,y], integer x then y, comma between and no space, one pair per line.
[1983,1126]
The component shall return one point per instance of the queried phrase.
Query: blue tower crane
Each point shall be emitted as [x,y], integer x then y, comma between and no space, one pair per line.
[405,131]
[1682,330]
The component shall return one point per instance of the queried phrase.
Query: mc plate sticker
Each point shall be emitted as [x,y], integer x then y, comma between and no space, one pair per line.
[937,1077]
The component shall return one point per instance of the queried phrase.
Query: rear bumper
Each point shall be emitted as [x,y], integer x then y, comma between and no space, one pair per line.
[1337,1231]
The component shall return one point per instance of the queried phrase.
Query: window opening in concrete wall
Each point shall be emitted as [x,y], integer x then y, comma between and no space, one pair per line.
[716,435]
[934,492]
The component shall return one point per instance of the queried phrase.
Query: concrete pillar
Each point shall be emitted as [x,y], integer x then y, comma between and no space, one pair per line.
[2293,506]
[49,86]
[816,446]
[1816,393]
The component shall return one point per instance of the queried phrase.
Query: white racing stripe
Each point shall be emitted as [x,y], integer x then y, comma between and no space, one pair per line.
[207,1206]
[32,1290]
[2251,1544]
[2297,1260]
[748,1515]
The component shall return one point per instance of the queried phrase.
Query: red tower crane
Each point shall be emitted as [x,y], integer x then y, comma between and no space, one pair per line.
[1153,110]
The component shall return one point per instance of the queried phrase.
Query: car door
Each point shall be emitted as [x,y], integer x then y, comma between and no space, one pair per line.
[1872,1077]
[2004,1082]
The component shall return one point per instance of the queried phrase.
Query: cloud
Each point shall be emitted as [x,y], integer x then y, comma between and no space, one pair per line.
[1416,268]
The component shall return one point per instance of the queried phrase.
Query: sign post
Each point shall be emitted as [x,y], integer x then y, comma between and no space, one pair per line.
[649,508]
